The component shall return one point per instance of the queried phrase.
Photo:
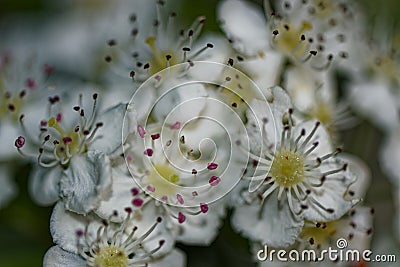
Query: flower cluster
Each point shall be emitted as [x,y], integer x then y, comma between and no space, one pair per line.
[179,126]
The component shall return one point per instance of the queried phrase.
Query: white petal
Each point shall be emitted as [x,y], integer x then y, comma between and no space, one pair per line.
[332,195]
[176,258]
[179,103]
[63,227]
[304,85]
[245,24]
[215,58]
[8,134]
[363,221]
[44,185]
[121,197]
[201,229]
[361,172]
[8,188]
[109,137]
[321,136]
[265,70]
[86,182]
[57,257]
[276,226]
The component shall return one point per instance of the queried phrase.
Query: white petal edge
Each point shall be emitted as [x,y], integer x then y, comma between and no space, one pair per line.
[57,257]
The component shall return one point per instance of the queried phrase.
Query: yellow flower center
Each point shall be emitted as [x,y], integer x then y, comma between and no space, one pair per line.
[239,89]
[323,112]
[289,39]
[111,256]
[321,233]
[73,146]
[287,168]
[163,178]
[9,104]
[159,59]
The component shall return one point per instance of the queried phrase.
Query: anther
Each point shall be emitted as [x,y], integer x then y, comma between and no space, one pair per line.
[111,42]
[19,142]
[11,107]
[330,210]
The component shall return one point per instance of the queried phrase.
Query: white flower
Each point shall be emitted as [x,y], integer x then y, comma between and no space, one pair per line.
[77,37]
[301,179]
[88,241]
[294,32]
[179,180]
[23,82]
[73,160]
[155,45]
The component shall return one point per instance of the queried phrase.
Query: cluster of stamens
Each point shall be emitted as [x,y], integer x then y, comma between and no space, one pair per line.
[321,234]
[12,100]
[117,248]
[305,40]
[292,168]
[161,180]
[179,48]
[57,145]
[171,212]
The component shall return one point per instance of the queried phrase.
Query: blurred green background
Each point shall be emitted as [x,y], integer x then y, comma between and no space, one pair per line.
[24,227]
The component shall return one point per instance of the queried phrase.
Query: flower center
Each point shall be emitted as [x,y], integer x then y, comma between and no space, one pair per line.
[287,168]
[290,40]
[319,233]
[70,139]
[10,104]
[163,178]
[238,90]
[160,59]
[111,256]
